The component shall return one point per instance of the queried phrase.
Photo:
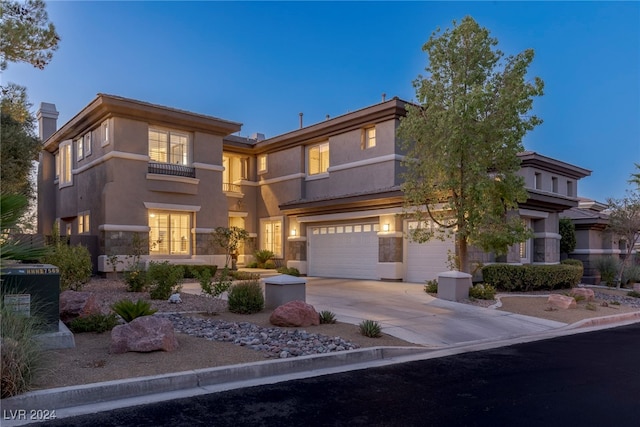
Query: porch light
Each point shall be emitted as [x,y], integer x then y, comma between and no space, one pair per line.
[385,227]
[293,232]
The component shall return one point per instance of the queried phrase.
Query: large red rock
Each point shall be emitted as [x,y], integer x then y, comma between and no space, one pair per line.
[588,294]
[144,334]
[561,301]
[295,314]
[77,304]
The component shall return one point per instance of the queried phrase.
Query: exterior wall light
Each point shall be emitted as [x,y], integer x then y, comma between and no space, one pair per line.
[385,227]
[293,232]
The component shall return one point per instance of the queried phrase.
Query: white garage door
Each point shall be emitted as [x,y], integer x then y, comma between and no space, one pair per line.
[424,261]
[346,251]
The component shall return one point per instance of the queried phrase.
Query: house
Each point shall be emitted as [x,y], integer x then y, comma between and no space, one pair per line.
[324,198]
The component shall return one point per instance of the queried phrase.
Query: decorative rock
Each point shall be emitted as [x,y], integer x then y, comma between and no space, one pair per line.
[561,301]
[586,293]
[77,304]
[175,299]
[295,314]
[144,334]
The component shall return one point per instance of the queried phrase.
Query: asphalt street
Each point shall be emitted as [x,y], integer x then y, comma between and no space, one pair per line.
[588,379]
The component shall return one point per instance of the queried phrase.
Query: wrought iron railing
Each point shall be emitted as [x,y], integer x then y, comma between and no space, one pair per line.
[227,187]
[172,169]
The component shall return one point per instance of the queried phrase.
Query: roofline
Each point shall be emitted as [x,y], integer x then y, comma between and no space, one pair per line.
[531,158]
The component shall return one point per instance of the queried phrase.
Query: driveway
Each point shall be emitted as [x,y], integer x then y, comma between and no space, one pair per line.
[405,311]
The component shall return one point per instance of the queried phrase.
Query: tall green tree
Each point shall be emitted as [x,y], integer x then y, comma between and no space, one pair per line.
[463,137]
[26,35]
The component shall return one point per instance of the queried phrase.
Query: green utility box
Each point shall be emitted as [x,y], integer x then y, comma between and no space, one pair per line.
[34,290]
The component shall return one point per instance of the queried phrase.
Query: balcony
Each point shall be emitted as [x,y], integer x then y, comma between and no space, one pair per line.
[172,169]
[227,187]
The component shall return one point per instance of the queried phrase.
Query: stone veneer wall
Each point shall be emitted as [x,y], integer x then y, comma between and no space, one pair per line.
[390,249]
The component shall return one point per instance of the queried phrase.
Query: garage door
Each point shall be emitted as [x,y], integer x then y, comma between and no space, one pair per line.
[424,261]
[347,251]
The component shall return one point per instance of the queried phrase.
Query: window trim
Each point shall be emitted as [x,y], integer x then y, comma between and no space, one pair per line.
[321,173]
[87,144]
[79,143]
[104,133]
[169,133]
[263,158]
[66,164]
[169,213]
[366,140]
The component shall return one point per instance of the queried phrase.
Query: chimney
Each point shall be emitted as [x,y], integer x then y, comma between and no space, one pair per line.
[301,114]
[327,117]
[47,120]
[258,136]
[384,97]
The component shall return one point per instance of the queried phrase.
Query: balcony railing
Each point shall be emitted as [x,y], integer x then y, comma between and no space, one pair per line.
[227,187]
[172,169]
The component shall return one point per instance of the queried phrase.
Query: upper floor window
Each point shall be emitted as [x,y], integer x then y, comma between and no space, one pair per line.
[537,181]
[554,184]
[104,131]
[318,159]
[79,149]
[168,147]
[57,160]
[87,144]
[369,136]
[262,163]
[570,188]
[83,222]
[235,170]
[66,162]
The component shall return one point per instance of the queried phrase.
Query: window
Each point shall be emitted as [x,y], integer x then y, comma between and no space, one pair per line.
[170,233]
[83,222]
[87,144]
[57,160]
[525,247]
[272,236]
[168,147]
[65,164]
[570,188]
[537,181]
[79,149]
[235,170]
[104,131]
[318,159]
[369,136]
[262,163]
[554,184]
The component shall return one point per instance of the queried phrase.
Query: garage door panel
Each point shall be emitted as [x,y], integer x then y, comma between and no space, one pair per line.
[424,261]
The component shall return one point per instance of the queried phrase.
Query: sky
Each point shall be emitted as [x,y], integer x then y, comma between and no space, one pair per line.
[262,63]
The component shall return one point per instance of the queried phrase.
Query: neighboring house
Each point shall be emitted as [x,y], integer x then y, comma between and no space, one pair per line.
[324,198]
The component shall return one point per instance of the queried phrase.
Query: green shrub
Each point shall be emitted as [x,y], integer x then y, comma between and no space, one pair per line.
[243,275]
[164,279]
[252,265]
[264,255]
[291,271]
[482,291]
[431,287]
[571,261]
[21,354]
[634,294]
[129,310]
[246,297]
[195,271]
[217,288]
[567,231]
[370,328]
[74,263]
[608,267]
[271,264]
[136,280]
[327,317]
[631,274]
[96,322]
[510,277]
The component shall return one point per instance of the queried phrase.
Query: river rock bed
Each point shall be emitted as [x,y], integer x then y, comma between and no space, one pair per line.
[273,342]
[622,299]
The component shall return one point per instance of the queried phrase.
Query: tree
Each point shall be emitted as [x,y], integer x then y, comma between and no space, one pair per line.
[463,138]
[635,177]
[567,231]
[624,221]
[229,239]
[26,35]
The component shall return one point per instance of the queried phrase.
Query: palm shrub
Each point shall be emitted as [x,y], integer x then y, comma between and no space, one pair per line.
[164,279]
[262,256]
[246,297]
[95,322]
[130,310]
[327,317]
[370,328]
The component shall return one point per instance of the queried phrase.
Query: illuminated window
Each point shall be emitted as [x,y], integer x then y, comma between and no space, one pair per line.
[168,147]
[79,149]
[170,233]
[66,162]
[272,236]
[370,137]
[318,159]
[87,144]
[57,160]
[84,222]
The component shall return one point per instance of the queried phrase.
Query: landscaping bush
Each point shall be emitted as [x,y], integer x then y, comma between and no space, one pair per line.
[327,317]
[270,264]
[571,261]
[482,291]
[509,277]
[262,256]
[217,288]
[246,297]
[129,310]
[631,274]
[252,265]
[195,271]
[370,328]
[96,322]
[291,271]
[608,267]
[164,279]
[136,280]
[74,263]
[431,287]
[21,354]
[243,275]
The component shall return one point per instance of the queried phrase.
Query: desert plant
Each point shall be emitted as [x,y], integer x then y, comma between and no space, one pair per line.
[327,317]
[253,264]
[164,279]
[246,297]
[136,280]
[291,271]
[96,322]
[631,274]
[270,264]
[129,310]
[608,267]
[263,255]
[12,209]
[482,291]
[591,306]
[243,275]
[634,294]
[370,328]
[431,287]
[215,288]
[74,263]
[21,354]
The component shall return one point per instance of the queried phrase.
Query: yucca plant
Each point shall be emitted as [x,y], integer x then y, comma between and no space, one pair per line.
[370,328]
[327,317]
[129,310]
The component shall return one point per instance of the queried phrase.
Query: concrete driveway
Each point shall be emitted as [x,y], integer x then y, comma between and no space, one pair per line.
[405,311]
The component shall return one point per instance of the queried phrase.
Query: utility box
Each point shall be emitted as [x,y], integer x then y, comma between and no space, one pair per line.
[33,290]
[281,289]
[454,285]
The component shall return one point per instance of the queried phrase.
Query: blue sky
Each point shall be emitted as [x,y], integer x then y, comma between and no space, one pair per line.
[263,63]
